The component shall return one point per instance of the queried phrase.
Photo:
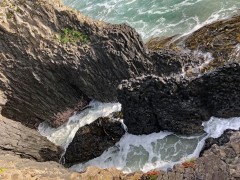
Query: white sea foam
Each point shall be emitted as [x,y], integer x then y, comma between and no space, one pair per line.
[158,150]
[64,134]
[216,126]
[146,152]
[132,153]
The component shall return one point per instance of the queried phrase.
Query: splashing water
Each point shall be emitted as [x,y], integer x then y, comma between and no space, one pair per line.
[64,134]
[133,153]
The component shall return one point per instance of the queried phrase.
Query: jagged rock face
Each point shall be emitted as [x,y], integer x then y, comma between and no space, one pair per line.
[46,78]
[92,140]
[151,103]
[26,169]
[19,140]
[167,63]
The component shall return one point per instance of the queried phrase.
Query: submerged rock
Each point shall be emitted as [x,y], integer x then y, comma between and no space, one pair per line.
[151,103]
[92,140]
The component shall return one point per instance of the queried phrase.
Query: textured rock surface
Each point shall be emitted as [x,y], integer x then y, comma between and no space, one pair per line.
[151,103]
[223,139]
[220,38]
[15,168]
[196,86]
[92,140]
[170,63]
[25,142]
[43,78]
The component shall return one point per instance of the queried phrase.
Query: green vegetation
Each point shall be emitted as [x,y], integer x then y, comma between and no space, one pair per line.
[73,36]
[3,3]
[10,14]
[2,169]
[19,10]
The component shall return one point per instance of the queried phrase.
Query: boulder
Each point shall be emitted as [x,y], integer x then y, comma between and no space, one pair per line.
[179,104]
[92,140]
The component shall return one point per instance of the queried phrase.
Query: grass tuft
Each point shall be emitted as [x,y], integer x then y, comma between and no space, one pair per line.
[73,36]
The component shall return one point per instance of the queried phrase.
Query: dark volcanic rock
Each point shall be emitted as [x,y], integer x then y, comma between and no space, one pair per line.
[167,63]
[151,103]
[44,79]
[92,140]
[223,139]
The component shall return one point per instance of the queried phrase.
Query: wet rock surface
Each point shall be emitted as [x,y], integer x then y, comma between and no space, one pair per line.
[186,89]
[223,139]
[220,39]
[152,103]
[92,140]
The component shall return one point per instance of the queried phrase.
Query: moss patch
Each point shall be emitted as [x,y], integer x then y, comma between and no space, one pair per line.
[73,36]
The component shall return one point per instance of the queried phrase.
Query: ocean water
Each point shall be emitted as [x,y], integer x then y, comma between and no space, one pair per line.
[133,153]
[158,17]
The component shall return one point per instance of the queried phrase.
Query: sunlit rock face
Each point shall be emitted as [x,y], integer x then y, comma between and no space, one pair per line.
[53,64]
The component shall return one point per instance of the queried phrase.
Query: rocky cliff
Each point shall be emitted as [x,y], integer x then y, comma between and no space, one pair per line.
[54,60]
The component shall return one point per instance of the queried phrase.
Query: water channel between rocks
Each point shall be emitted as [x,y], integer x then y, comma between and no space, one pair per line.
[133,153]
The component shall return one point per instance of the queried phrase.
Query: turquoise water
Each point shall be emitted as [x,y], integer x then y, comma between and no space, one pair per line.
[158,17]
